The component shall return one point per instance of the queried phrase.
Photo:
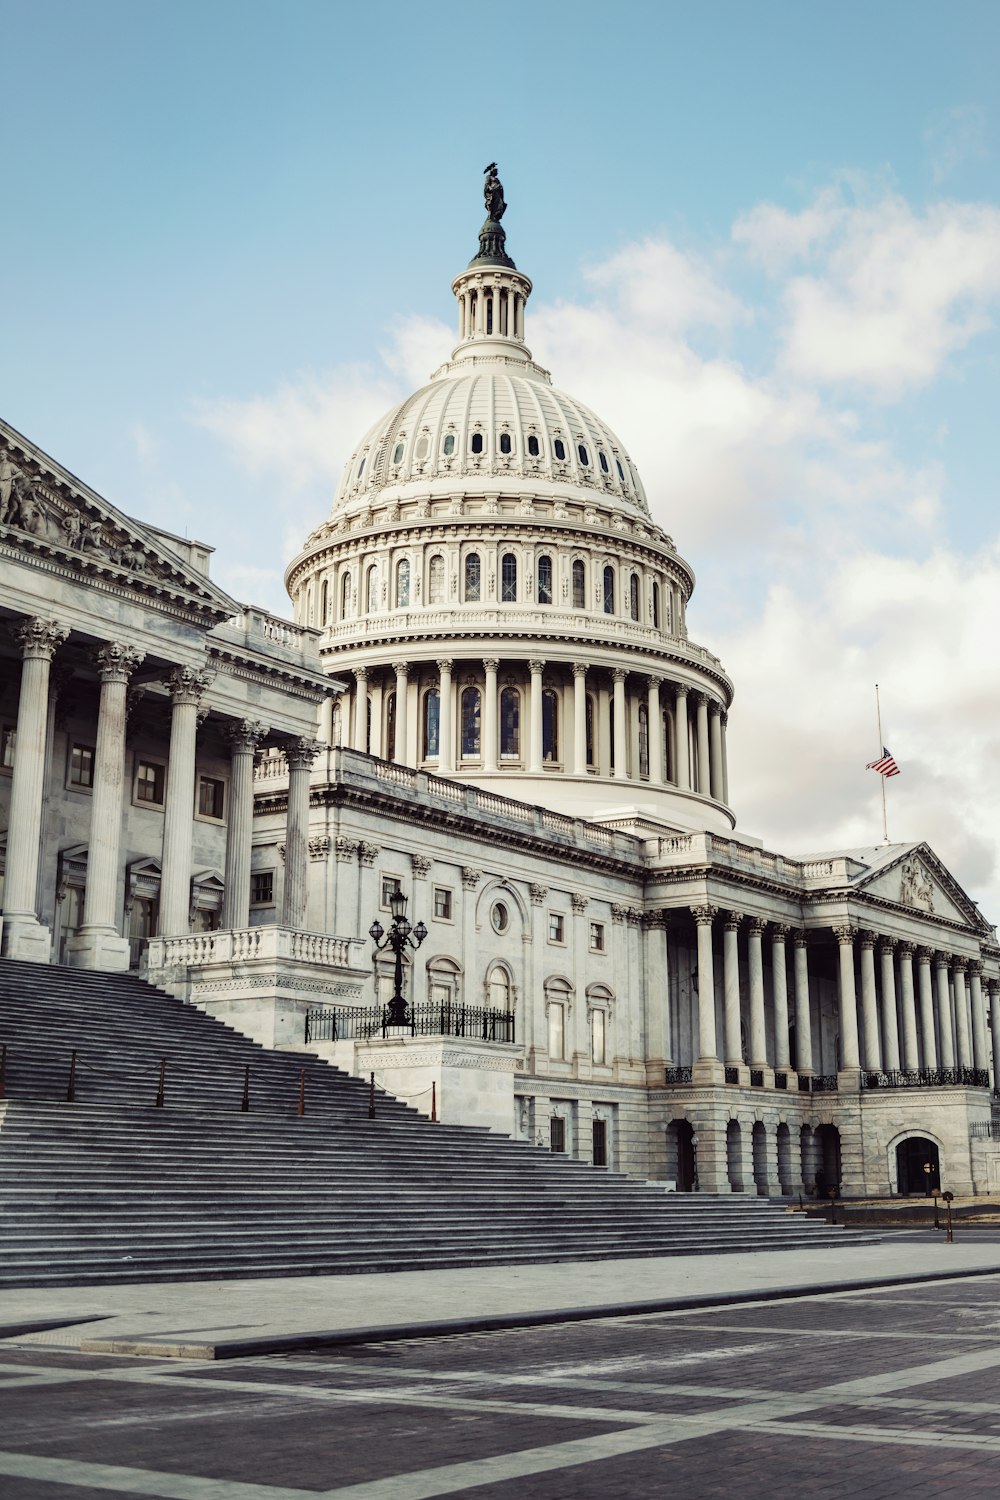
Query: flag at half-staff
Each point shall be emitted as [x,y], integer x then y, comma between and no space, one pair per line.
[885,765]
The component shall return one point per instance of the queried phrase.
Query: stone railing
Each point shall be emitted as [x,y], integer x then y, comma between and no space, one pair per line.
[271,764]
[251,945]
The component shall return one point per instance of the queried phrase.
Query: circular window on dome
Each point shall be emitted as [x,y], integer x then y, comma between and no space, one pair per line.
[583,455]
[397,454]
[499,917]
[449,445]
[559,448]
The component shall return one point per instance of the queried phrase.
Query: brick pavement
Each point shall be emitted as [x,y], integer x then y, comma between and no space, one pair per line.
[875,1395]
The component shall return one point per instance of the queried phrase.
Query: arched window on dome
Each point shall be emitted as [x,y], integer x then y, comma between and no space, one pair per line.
[489,314]
[545,580]
[633,596]
[591,719]
[471,720]
[533,448]
[505,443]
[609,590]
[435,580]
[371,589]
[656,605]
[669,768]
[448,446]
[579,584]
[550,725]
[397,454]
[583,455]
[644,741]
[510,724]
[345,595]
[324,602]
[423,447]
[604,460]
[477,442]
[361,465]
[390,726]
[500,988]
[431,723]
[621,471]
[473,578]
[508,579]
[403,583]
[559,449]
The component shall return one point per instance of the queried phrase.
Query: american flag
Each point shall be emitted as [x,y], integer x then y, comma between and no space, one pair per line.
[886,766]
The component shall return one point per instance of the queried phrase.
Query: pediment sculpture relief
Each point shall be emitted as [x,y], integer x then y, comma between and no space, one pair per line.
[915,888]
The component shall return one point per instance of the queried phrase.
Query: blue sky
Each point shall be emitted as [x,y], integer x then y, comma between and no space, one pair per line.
[765,243]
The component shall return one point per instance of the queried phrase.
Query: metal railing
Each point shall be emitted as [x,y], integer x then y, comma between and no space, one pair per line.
[678,1075]
[361,1023]
[819,1083]
[927,1078]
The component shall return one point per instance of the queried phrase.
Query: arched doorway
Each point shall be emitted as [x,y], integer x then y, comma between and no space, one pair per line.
[828,1167]
[913,1156]
[734,1155]
[681,1155]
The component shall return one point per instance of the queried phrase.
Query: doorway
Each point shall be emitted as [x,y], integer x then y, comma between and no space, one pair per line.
[681,1155]
[913,1158]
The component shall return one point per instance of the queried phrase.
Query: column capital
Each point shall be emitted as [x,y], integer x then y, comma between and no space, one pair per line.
[887,944]
[401,668]
[579,669]
[368,853]
[619,674]
[421,866]
[681,689]
[491,663]
[756,925]
[725,719]
[867,938]
[535,666]
[906,950]
[975,966]
[654,681]
[116,661]
[471,877]
[714,706]
[960,965]
[301,753]
[780,931]
[942,960]
[578,902]
[538,893]
[187,684]
[244,734]
[845,935]
[800,938]
[704,915]
[733,920]
[445,665]
[700,698]
[361,675]
[39,638]
[924,955]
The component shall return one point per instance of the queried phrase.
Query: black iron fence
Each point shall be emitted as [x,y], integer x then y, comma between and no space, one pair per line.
[678,1075]
[927,1078]
[361,1022]
[818,1083]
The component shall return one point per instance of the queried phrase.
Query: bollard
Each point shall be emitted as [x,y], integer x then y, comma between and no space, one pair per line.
[434,1100]
[245,1106]
[3,1071]
[948,1199]
[936,1194]
[71,1087]
[371,1097]
[302,1093]
[161,1089]
[832,1195]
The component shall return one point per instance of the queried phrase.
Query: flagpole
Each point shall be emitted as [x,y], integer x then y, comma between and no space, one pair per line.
[881,751]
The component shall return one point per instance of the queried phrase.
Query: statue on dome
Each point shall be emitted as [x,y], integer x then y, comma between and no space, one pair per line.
[493,194]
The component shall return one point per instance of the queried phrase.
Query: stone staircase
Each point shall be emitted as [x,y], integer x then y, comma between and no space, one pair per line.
[111,1187]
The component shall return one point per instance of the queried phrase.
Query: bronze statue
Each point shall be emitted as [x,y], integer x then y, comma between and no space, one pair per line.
[493,194]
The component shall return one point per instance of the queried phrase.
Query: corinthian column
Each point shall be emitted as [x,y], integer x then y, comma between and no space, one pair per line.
[244,736]
[779,976]
[980,1050]
[758,1033]
[446,748]
[715,750]
[579,718]
[654,731]
[926,993]
[890,1025]
[962,1035]
[23,934]
[402,671]
[682,758]
[361,708]
[536,668]
[300,755]
[704,784]
[185,686]
[869,1004]
[707,1045]
[98,944]
[803,1008]
[911,1051]
[490,748]
[620,768]
[731,988]
[941,963]
[994,992]
[849,1058]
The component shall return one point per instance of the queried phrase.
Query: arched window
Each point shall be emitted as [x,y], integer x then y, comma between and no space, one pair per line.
[371,589]
[397,454]
[579,584]
[473,578]
[510,723]
[471,741]
[643,740]
[508,579]
[604,459]
[435,580]
[633,596]
[559,448]
[443,981]
[500,989]
[489,315]
[545,580]
[403,583]
[656,606]
[390,726]
[361,466]
[621,471]
[609,590]
[422,449]
[324,602]
[432,719]
[505,442]
[550,725]
[591,717]
[345,595]
[477,442]
[448,446]
[533,448]
[583,455]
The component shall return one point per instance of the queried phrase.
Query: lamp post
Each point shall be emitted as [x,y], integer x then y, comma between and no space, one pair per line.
[399,937]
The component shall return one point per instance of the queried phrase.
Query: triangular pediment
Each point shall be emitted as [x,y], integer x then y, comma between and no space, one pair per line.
[47,513]
[916,880]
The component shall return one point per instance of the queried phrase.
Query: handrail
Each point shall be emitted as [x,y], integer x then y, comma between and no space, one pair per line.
[361,1023]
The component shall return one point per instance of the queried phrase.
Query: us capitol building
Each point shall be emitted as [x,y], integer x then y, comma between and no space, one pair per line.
[487,702]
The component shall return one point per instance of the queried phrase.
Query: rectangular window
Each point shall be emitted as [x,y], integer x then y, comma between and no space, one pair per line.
[262,888]
[557,1133]
[390,885]
[557,927]
[598,1049]
[8,735]
[81,765]
[211,797]
[555,1032]
[442,903]
[597,937]
[150,783]
[600,1143]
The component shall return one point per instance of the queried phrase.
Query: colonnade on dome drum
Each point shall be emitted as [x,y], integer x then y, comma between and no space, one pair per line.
[496,714]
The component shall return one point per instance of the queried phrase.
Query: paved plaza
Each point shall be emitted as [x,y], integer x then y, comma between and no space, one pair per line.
[890,1392]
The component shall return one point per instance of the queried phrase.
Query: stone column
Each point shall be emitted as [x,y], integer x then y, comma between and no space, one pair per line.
[941,965]
[361,708]
[580,718]
[980,1049]
[244,736]
[99,944]
[715,750]
[185,686]
[704,783]
[490,702]
[620,770]
[300,755]
[656,991]
[803,1008]
[869,1004]
[707,1044]
[926,993]
[849,1056]
[23,934]
[402,671]
[654,734]
[755,966]
[994,991]
[682,759]
[890,1025]
[536,668]
[911,1049]
[962,1037]
[779,978]
[324,720]
[725,761]
[731,988]
[446,748]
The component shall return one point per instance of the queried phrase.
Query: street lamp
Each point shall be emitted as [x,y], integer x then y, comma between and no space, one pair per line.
[399,937]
